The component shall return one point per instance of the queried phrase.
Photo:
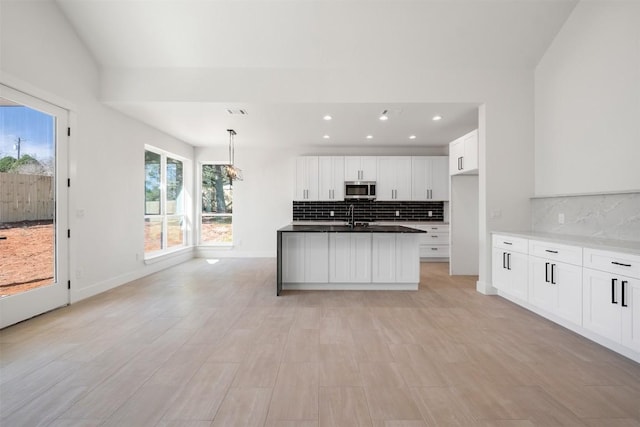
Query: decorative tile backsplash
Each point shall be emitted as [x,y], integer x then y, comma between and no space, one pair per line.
[367,210]
[609,216]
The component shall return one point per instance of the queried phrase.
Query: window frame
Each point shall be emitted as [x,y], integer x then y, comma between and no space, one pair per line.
[200,215]
[163,215]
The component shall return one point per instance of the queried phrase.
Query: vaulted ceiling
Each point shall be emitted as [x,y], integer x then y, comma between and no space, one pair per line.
[317,35]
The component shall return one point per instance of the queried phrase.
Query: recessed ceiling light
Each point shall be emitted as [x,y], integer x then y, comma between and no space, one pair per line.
[326,137]
[369,136]
[436,118]
[412,137]
[384,116]
[327,117]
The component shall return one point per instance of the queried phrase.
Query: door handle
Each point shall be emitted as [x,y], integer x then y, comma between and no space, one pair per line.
[508,261]
[504,260]
[553,280]
[546,272]
[613,291]
[624,302]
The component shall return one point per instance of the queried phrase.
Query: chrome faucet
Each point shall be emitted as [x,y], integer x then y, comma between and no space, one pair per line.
[350,221]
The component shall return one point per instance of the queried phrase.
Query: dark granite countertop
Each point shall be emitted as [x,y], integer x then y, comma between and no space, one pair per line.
[346,229]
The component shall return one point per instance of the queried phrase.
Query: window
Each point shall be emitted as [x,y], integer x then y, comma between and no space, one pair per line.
[164,215]
[217,205]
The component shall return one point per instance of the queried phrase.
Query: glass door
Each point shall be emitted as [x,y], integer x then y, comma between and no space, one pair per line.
[33,207]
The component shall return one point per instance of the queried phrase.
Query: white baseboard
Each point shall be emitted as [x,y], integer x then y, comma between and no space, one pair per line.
[485,288]
[105,285]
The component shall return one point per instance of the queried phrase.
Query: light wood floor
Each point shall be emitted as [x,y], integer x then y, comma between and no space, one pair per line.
[209,344]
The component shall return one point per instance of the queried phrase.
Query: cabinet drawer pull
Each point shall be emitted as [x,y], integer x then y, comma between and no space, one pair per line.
[550,251]
[434,249]
[620,264]
[433,236]
[546,272]
[624,302]
[613,291]
[507,243]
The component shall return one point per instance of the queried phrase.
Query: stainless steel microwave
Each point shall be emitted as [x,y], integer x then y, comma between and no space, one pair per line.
[365,190]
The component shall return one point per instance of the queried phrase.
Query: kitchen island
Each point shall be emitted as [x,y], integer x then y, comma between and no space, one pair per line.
[341,257]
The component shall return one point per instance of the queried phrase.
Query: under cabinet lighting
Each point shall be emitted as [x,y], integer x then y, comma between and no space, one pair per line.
[326,137]
[412,137]
[327,117]
[369,136]
[436,118]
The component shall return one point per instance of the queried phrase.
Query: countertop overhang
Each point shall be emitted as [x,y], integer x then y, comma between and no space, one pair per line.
[293,228]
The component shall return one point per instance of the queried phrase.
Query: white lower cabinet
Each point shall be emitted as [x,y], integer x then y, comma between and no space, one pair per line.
[594,292]
[510,266]
[293,257]
[305,258]
[394,258]
[383,253]
[350,257]
[612,307]
[407,252]
[556,287]
[316,258]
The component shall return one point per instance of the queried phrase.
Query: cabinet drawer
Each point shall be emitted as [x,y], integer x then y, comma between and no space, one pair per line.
[434,239]
[430,251]
[515,244]
[613,262]
[556,252]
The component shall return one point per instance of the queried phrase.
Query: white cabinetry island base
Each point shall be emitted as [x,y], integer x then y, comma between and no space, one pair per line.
[343,258]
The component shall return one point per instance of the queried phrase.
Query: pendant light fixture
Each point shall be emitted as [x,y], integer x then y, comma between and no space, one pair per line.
[235,174]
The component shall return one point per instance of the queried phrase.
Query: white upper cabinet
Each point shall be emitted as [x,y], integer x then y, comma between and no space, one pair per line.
[360,168]
[463,154]
[394,178]
[306,178]
[331,178]
[430,178]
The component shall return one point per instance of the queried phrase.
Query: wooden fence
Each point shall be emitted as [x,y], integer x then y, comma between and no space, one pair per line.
[26,197]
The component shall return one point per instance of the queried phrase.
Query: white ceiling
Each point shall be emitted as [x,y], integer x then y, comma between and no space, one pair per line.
[314,35]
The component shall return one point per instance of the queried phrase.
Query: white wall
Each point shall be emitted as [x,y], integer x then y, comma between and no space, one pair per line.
[41,55]
[464,225]
[587,102]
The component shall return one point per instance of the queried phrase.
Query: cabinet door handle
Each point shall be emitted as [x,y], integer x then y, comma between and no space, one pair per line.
[508,261]
[624,302]
[550,251]
[553,280]
[462,163]
[613,291]
[504,260]
[546,272]
[620,264]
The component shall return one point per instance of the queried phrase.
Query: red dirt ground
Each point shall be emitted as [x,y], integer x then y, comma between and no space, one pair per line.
[26,256]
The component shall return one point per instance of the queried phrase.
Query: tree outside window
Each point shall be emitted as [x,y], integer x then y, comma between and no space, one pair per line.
[164,202]
[217,205]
